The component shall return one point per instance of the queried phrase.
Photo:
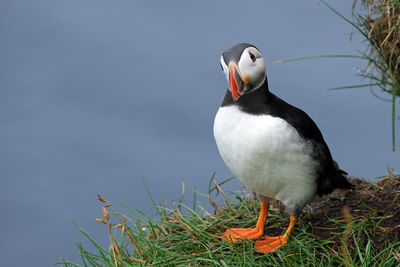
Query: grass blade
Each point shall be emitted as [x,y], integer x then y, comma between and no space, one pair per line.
[354,86]
[318,56]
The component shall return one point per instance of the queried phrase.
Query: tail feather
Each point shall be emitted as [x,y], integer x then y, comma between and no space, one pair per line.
[342,181]
[336,178]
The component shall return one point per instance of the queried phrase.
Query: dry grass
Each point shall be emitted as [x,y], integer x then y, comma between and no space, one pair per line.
[381,21]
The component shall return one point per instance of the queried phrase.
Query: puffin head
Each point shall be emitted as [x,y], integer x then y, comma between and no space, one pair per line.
[244,69]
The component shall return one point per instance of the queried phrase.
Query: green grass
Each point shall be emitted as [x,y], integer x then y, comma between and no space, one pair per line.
[183,236]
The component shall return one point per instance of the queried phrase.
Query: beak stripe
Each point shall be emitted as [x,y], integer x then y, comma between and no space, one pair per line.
[236,81]
[233,83]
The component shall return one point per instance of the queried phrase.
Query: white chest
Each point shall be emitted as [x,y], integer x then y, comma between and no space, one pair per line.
[266,154]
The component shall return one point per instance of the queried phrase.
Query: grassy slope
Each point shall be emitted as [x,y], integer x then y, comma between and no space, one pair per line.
[351,228]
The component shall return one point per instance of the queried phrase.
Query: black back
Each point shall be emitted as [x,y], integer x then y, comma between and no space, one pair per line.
[262,101]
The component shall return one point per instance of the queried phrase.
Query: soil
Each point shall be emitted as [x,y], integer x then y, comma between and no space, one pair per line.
[376,203]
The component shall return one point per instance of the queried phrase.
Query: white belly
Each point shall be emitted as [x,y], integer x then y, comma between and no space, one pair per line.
[267,155]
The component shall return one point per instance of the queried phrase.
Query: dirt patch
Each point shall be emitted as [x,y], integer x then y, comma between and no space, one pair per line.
[376,204]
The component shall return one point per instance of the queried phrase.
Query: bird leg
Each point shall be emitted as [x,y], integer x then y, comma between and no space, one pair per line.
[236,234]
[271,243]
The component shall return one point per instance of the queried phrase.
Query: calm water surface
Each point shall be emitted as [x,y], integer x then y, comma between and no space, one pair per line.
[96,95]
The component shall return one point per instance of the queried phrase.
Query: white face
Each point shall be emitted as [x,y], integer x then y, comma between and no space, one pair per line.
[252,65]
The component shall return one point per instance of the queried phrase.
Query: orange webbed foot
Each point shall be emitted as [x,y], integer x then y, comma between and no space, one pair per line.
[236,234]
[270,243]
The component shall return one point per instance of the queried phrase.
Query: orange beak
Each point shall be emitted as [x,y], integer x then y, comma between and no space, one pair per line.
[236,82]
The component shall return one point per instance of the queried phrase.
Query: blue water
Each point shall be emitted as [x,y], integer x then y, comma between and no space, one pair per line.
[96,95]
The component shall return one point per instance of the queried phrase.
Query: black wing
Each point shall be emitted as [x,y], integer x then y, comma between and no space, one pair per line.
[329,174]
[262,101]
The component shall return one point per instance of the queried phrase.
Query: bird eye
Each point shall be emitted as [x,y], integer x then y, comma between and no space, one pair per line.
[252,56]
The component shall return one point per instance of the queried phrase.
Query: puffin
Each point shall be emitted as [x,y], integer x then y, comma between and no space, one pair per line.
[272,147]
